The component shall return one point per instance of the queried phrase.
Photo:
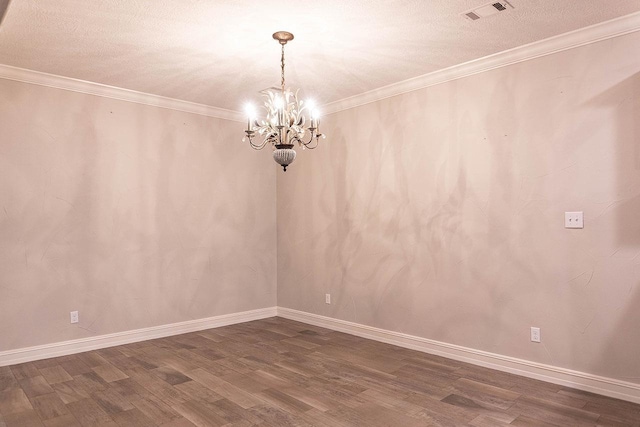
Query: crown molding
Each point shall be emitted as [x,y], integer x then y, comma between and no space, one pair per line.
[583,36]
[90,88]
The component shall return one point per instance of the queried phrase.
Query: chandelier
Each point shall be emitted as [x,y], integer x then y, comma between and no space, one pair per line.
[284,123]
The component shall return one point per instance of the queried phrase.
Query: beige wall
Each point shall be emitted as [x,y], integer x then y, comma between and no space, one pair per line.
[134,215]
[439,213]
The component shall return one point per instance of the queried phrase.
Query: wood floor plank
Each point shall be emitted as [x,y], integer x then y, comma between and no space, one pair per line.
[200,414]
[63,421]
[13,401]
[92,359]
[178,422]
[170,375]
[551,412]
[73,365]
[23,419]
[197,391]
[35,386]
[245,382]
[55,374]
[45,363]
[89,413]
[111,401]
[49,406]
[7,380]
[283,401]
[485,394]
[275,416]
[524,421]
[133,418]
[25,370]
[391,400]
[487,421]
[109,373]
[277,372]
[70,391]
[234,413]
[89,382]
[225,389]
[160,388]
[156,410]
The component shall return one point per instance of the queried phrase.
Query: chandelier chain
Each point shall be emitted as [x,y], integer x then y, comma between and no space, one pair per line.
[282,67]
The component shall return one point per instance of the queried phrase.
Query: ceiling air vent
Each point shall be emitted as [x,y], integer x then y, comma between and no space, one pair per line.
[472,16]
[486,10]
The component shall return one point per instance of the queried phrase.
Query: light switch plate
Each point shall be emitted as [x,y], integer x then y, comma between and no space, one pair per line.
[573,220]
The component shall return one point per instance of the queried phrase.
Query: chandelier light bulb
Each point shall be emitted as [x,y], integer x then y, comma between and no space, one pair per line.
[284,125]
[315,120]
[251,115]
[250,110]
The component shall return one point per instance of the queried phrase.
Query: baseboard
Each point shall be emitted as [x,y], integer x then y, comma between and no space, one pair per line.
[566,377]
[28,354]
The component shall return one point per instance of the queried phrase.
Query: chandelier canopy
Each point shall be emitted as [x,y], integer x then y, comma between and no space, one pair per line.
[284,123]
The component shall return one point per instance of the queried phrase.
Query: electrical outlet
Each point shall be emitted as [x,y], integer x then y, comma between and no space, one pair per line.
[573,220]
[327,298]
[74,316]
[535,334]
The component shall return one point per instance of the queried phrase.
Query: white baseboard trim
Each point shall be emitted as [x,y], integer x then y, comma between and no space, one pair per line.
[566,377]
[28,354]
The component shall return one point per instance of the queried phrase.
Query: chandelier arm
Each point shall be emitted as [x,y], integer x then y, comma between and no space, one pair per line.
[256,146]
[296,139]
[308,144]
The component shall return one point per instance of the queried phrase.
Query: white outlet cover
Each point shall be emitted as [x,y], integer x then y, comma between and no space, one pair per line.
[573,220]
[535,334]
[74,316]
[327,298]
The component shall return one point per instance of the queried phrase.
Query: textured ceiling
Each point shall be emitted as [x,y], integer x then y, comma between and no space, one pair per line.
[220,53]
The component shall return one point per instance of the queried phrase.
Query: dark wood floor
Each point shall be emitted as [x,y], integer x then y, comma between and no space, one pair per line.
[277,372]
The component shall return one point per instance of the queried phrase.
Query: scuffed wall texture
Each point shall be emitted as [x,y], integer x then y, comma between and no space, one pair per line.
[440,213]
[134,215]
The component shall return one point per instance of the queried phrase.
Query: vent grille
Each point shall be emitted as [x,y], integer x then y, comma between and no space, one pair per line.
[486,10]
[472,16]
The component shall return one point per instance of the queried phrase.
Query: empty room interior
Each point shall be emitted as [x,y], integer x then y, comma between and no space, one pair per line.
[292,213]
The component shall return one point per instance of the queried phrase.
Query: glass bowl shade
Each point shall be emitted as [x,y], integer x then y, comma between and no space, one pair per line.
[284,156]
